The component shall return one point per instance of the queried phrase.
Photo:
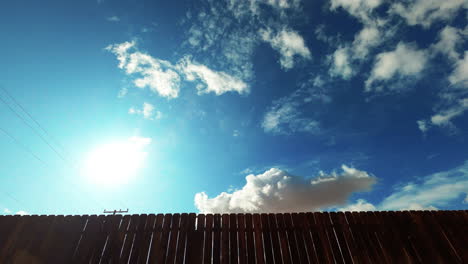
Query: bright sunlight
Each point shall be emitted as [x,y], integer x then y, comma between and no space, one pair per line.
[116,163]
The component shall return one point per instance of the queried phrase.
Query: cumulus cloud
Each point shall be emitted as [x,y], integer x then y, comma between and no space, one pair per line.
[277,191]
[147,111]
[347,58]
[405,61]
[288,43]
[7,211]
[211,81]
[426,12]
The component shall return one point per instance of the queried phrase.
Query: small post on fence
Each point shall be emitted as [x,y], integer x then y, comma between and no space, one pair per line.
[115,211]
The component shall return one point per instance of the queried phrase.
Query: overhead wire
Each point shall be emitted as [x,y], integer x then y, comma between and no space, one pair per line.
[68,163]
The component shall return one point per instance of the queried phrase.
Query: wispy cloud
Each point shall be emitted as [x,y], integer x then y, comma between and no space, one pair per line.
[113,19]
[147,111]
[426,12]
[164,78]
[277,191]
[428,193]
[286,116]
[288,43]
[210,80]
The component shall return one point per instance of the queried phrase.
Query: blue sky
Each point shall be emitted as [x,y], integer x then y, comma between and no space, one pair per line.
[233,106]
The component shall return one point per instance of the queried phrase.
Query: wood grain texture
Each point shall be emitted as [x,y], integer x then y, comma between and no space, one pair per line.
[322,237]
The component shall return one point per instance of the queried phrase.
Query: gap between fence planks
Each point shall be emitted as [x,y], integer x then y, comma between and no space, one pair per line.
[319,237]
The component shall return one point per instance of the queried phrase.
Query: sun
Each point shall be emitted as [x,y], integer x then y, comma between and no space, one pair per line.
[115,163]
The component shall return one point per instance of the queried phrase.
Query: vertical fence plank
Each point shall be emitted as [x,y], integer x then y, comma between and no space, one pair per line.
[185,226]
[320,240]
[195,239]
[145,239]
[13,236]
[87,246]
[171,251]
[161,250]
[293,249]
[299,234]
[118,241]
[156,240]
[37,236]
[225,239]
[242,239]
[208,247]
[259,250]
[110,228]
[233,247]
[393,240]
[307,234]
[452,234]
[249,236]
[283,238]
[267,247]
[338,230]
[217,239]
[366,237]
[129,239]
[273,226]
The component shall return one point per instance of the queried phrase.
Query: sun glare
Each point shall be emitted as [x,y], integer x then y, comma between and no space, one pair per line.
[115,163]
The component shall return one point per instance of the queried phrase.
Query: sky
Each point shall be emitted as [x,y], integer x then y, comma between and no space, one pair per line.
[233,106]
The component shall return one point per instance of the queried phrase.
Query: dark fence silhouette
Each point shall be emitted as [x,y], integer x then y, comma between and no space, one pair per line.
[364,237]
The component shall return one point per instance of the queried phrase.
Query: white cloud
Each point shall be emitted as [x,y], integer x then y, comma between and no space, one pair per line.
[285,117]
[288,43]
[360,205]
[444,117]
[213,81]
[360,9]
[459,77]
[425,12]
[122,93]
[422,125]
[341,64]
[277,191]
[367,38]
[286,114]
[140,141]
[156,74]
[148,112]
[406,60]
[21,213]
[449,39]
[7,211]
[436,190]
[164,78]
[113,19]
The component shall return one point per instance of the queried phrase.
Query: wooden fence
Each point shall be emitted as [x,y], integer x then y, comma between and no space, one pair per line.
[365,237]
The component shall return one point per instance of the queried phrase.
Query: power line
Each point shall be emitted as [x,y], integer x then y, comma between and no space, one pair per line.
[31,117]
[32,128]
[67,162]
[24,147]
